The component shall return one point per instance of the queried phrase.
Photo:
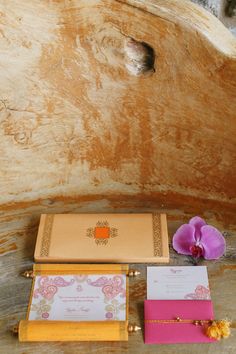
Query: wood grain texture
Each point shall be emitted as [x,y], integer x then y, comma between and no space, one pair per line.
[75,122]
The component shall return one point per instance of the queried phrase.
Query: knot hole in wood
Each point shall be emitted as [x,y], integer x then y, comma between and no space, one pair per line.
[140,57]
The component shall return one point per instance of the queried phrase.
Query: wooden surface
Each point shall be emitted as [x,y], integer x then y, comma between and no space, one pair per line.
[21,230]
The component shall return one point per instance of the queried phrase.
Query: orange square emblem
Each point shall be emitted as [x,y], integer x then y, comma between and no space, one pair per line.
[102,232]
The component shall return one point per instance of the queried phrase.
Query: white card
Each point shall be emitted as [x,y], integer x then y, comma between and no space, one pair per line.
[79,298]
[177,283]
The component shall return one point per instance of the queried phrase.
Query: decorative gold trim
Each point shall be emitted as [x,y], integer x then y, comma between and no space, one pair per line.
[157,238]
[180,320]
[44,252]
[133,273]
[132,328]
[28,274]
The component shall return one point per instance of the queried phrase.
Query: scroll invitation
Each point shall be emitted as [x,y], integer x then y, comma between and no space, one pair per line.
[77,302]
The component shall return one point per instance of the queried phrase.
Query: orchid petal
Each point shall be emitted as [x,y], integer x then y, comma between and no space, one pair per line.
[213,242]
[184,239]
[197,223]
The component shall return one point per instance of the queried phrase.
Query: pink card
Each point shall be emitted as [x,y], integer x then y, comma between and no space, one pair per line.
[158,333]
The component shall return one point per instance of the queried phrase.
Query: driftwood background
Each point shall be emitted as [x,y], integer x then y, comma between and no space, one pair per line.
[75,123]
[79,132]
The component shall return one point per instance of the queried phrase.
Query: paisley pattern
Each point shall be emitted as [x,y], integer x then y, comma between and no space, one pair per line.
[108,290]
[111,287]
[200,293]
[48,287]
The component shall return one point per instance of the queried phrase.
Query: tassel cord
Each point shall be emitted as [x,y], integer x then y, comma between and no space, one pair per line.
[214,329]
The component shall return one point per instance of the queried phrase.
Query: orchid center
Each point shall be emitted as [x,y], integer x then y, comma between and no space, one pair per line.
[196,251]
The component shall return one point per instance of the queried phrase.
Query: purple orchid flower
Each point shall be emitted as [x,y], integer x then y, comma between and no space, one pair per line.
[199,240]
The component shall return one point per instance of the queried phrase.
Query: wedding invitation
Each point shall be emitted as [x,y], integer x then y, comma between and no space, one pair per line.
[162,326]
[102,238]
[79,298]
[177,283]
[77,302]
[178,306]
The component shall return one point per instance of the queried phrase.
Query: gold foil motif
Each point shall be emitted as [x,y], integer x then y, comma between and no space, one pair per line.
[47,235]
[102,232]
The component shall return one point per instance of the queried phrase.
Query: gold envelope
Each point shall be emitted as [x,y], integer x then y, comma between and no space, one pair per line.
[99,238]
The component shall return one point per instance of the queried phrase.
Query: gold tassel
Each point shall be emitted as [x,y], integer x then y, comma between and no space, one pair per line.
[218,329]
